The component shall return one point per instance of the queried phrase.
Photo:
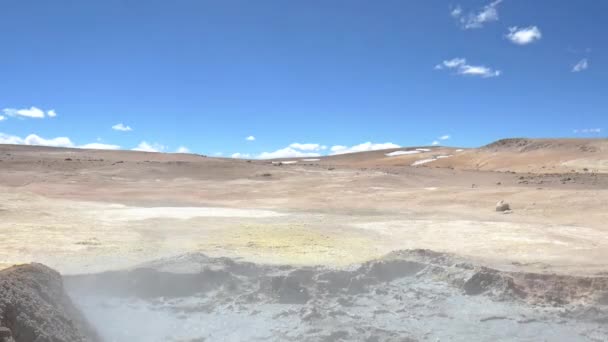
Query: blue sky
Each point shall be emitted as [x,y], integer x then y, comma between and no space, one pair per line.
[205,75]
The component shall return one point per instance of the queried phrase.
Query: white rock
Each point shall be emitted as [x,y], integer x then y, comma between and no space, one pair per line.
[502,206]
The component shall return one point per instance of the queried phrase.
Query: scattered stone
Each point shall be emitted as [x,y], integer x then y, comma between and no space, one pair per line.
[502,206]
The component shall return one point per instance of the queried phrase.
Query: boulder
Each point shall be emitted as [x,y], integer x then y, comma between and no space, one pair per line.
[35,307]
[502,206]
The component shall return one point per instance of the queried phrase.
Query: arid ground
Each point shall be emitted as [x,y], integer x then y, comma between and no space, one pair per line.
[88,211]
[85,210]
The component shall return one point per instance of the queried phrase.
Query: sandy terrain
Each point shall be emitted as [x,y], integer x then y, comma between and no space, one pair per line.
[100,210]
[277,246]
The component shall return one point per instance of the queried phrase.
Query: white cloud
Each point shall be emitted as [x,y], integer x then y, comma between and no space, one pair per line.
[588,130]
[33,139]
[367,146]
[51,113]
[337,148]
[295,150]
[435,143]
[462,68]
[445,137]
[524,35]
[583,64]
[452,63]
[250,138]
[121,127]
[476,19]
[10,139]
[456,11]
[146,147]
[36,140]
[479,71]
[308,147]
[2,118]
[240,155]
[286,152]
[100,146]
[218,153]
[182,149]
[32,112]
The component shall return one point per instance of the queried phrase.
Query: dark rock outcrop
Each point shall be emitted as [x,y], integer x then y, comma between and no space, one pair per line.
[35,307]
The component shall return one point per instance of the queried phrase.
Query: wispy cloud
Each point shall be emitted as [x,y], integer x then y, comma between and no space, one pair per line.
[250,138]
[524,35]
[147,147]
[366,146]
[51,113]
[240,155]
[36,140]
[32,112]
[582,65]
[122,127]
[100,146]
[476,19]
[2,118]
[440,139]
[588,130]
[294,150]
[287,152]
[182,149]
[462,68]
[456,12]
[308,147]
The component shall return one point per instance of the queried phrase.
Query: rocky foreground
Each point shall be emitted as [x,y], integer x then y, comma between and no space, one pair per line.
[35,307]
[414,295]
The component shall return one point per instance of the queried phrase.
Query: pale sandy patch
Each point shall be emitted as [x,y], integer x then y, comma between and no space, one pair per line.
[565,247]
[125,213]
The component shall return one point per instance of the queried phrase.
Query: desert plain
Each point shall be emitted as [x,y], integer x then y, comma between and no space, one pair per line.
[83,212]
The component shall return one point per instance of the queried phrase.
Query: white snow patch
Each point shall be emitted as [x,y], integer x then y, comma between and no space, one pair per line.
[423,149]
[312,159]
[400,153]
[424,161]
[459,150]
